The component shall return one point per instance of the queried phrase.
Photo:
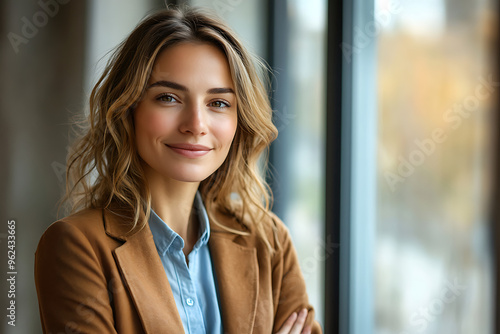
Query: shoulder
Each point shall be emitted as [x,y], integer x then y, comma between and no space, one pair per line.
[78,241]
[275,229]
[85,221]
[258,230]
[83,228]
[280,234]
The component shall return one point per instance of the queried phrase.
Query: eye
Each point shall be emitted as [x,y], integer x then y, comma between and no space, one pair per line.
[219,104]
[166,98]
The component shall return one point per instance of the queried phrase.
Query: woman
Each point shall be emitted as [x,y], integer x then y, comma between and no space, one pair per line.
[171,230]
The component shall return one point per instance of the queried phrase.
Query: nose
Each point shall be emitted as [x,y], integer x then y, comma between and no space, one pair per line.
[193,120]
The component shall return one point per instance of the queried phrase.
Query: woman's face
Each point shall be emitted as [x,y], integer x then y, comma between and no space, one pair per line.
[187,118]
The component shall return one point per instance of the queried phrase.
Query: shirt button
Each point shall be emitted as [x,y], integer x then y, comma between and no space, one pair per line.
[190,302]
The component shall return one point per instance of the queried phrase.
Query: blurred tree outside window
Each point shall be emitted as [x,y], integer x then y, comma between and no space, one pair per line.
[435,85]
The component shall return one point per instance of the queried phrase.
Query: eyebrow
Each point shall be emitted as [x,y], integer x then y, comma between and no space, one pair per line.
[174,85]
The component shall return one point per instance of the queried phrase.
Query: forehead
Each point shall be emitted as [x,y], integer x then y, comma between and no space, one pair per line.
[190,63]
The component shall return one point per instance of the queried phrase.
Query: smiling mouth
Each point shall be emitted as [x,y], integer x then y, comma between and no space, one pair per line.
[189,150]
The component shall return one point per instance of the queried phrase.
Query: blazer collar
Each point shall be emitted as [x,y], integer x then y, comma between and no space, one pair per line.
[144,276]
[236,269]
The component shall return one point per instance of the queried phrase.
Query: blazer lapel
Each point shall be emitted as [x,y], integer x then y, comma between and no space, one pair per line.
[145,278]
[237,272]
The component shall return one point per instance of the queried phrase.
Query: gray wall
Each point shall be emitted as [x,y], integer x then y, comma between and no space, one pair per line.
[41,81]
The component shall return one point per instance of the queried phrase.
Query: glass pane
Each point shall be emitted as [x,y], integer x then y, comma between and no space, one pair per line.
[433,266]
[302,118]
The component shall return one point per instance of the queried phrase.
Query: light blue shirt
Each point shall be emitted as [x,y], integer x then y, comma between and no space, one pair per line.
[195,286]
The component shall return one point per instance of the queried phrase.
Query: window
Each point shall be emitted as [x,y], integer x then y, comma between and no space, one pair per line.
[297,156]
[419,83]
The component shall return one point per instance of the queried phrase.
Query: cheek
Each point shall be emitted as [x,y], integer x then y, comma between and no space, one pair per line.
[151,124]
[225,130]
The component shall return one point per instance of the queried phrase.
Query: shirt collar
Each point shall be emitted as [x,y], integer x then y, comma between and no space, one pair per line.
[166,238]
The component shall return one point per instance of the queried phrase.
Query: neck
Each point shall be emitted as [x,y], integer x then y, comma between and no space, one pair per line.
[173,202]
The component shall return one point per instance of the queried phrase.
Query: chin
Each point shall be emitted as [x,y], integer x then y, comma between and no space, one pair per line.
[190,179]
[191,175]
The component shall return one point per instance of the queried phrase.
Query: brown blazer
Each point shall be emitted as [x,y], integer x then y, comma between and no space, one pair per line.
[92,278]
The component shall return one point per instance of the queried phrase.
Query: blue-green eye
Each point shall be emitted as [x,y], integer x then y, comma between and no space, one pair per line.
[219,104]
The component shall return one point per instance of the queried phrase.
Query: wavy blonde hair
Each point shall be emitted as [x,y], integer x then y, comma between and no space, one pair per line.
[104,166]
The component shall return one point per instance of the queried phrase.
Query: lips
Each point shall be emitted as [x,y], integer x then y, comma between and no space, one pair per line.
[189,150]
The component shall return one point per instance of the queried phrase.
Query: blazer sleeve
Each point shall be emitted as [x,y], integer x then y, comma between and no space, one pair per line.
[71,287]
[289,284]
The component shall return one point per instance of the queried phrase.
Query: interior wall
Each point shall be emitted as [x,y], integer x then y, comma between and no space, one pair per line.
[41,66]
